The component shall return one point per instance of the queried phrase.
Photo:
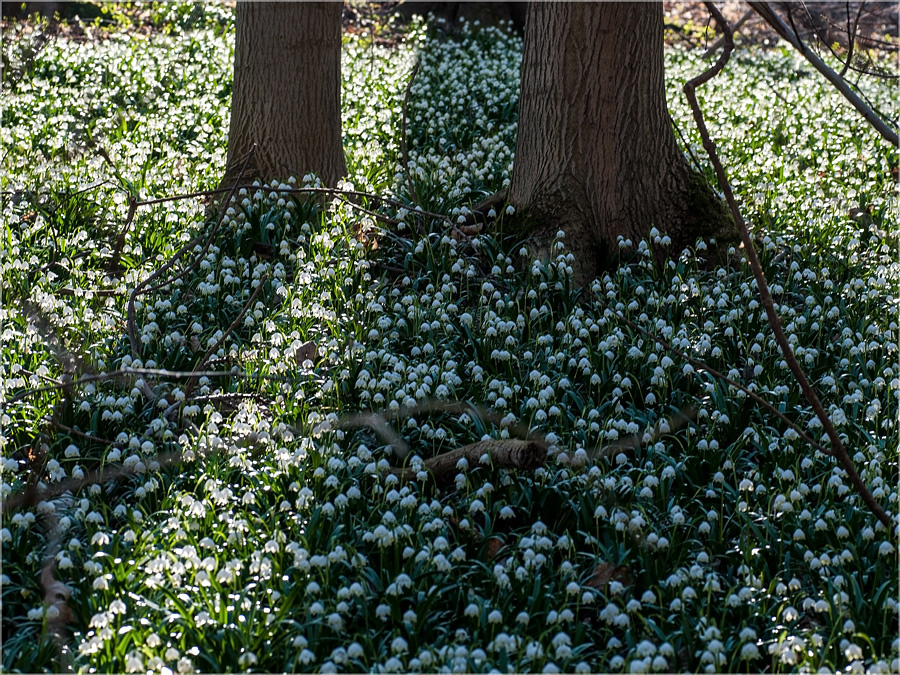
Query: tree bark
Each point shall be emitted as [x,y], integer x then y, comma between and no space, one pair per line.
[596,155]
[287,90]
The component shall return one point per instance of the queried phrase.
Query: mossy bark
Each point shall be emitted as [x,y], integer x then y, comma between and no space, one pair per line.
[596,155]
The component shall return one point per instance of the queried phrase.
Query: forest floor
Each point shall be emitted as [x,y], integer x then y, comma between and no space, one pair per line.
[157,518]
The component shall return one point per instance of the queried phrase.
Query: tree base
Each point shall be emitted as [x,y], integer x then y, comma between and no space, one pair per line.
[695,213]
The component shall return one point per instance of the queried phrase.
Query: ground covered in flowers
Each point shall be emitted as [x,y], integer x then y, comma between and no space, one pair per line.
[238,521]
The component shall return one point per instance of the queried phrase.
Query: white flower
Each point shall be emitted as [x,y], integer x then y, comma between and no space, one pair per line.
[133,662]
[749,652]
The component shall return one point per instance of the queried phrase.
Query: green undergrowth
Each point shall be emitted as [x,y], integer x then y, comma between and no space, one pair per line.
[276,541]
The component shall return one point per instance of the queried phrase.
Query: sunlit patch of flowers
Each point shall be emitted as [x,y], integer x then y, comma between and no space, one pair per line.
[279,540]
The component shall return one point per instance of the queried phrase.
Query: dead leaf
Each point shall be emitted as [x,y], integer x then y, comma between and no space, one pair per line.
[493,547]
[605,573]
[465,231]
[306,351]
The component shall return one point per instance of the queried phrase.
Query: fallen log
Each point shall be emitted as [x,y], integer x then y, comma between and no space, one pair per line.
[501,454]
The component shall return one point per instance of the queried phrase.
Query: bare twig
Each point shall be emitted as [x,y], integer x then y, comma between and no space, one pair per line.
[718,43]
[75,432]
[687,146]
[113,263]
[631,443]
[784,31]
[838,449]
[139,372]
[304,190]
[31,495]
[143,286]
[501,454]
[851,36]
[97,292]
[234,324]
[70,361]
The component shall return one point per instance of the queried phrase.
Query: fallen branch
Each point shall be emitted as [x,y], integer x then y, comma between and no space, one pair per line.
[144,286]
[631,443]
[301,190]
[501,454]
[784,31]
[34,494]
[234,324]
[75,432]
[113,264]
[838,449]
[138,372]
[377,421]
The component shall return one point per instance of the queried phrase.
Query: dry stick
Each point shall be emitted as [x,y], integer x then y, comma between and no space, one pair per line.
[303,190]
[32,495]
[127,372]
[687,146]
[369,212]
[81,292]
[212,350]
[377,421]
[69,360]
[838,448]
[851,37]
[379,425]
[75,432]
[502,454]
[143,286]
[113,262]
[672,424]
[403,152]
[784,31]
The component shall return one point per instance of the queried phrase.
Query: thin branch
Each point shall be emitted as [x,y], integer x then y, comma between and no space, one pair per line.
[143,286]
[132,372]
[32,495]
[851,36]
[113,262]
[718,43]
[304,190]
[784,31]
[75,432]
[630,443]
[234,324]
[838,448]
[687,146]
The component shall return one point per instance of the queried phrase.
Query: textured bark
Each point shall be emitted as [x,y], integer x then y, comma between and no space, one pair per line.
[596,155]
[287,89]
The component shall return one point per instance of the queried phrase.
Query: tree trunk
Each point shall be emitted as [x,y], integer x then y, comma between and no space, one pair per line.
[287,90]
[596,155]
